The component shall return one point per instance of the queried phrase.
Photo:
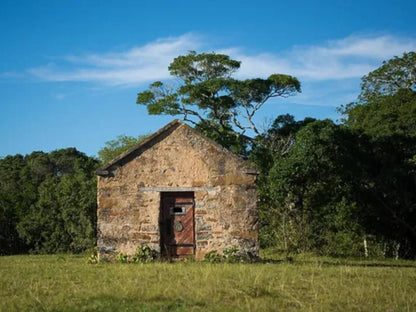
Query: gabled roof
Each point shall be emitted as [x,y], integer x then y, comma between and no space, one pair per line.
[104,170]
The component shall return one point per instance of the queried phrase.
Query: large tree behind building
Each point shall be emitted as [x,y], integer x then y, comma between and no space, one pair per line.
[207,95]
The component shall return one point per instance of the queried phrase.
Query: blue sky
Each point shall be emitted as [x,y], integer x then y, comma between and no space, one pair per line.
[70,70]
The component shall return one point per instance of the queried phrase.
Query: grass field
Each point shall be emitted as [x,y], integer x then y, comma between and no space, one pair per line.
[67,283]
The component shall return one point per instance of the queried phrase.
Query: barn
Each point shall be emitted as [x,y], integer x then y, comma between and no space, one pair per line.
[181,194]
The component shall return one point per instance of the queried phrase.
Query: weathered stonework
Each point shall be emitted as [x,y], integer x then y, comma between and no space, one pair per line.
[177,159]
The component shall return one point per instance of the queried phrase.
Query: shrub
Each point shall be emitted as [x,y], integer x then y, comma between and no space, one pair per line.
[122,257]
[343,244]
[94,257]
[213,257]
[230,255]
[145,254]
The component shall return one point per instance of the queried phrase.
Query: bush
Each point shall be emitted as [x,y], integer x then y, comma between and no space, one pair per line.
[122,257]
[230,255]
[145,254]
[343,244]
[213,257]
[94,257]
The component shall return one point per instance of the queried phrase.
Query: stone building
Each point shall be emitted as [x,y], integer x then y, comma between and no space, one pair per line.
[179,193]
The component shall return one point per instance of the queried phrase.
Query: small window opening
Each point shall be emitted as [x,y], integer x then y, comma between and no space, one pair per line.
[177,210]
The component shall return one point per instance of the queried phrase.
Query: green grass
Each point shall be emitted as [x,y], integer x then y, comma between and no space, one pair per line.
[67,283]
[311,258]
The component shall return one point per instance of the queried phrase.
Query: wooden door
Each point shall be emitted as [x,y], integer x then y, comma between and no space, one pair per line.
[177,224]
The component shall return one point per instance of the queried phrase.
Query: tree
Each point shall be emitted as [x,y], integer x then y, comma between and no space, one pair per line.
[114,148]
[277,140]
[12,203]
[273,145]
[385,114]
[312,192]
[379,101]
[389,196]
[64,217]
[47,202]
[395,74]
[208,97]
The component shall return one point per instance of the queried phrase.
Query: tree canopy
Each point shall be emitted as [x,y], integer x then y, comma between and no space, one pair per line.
[114,148]
[394,74]
[47,202]
[387,103]
[208,96]
[340,185]
[385,115]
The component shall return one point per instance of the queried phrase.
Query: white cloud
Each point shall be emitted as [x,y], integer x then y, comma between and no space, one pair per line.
[346,58]
[380,47]
[134,66]
[351,57]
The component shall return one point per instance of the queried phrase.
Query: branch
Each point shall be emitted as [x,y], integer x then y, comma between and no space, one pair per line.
[187,112]
[238,124]
[249,119]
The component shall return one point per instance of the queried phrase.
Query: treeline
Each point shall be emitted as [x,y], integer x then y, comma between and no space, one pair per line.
[47,202]
[339,189]
[346,189]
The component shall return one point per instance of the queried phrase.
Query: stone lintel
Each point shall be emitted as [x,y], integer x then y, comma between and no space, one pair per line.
[178,189]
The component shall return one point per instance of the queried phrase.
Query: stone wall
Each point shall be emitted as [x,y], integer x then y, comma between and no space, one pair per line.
[178,159]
